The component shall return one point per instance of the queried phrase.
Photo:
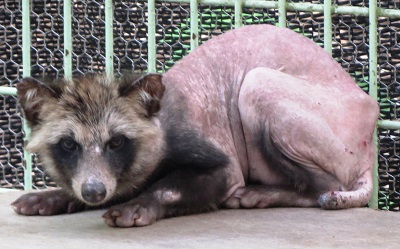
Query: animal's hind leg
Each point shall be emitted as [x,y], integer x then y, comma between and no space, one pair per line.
[262,196]
[358,197]
[305,140]
[317,160]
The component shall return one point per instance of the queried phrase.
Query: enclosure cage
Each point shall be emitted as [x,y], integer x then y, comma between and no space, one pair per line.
[63,38]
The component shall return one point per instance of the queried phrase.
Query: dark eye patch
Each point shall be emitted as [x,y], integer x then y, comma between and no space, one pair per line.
[120,153]
[66,154]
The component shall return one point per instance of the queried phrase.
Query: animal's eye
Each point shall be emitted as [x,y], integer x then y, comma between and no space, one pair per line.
[68,144]
[116,142]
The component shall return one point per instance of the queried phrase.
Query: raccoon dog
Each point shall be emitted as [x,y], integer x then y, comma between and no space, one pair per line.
[239,126]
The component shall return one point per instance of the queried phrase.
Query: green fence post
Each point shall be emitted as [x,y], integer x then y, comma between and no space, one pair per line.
[328,26]
[282,13]
[151,36]
[194,25]
[26,64]
[109,14]
[67,39]
[238,13]
[373,90]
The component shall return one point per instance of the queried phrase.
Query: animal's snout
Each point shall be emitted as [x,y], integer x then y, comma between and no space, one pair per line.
[93,191]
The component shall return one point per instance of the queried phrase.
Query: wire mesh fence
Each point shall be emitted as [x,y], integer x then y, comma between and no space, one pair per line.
[350,48]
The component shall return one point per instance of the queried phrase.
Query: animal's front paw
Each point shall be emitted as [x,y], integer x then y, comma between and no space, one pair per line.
[45,203]
[131,214]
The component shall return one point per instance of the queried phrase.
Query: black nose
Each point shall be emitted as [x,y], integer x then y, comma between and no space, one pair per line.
[93,191]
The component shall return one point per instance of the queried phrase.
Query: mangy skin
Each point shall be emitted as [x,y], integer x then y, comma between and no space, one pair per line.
[315,112]
[289,125]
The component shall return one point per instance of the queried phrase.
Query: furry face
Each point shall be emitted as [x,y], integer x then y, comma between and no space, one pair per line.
[98,138]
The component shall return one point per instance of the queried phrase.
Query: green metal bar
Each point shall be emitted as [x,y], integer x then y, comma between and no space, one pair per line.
[351,10]
[27,159]
[388,13]
[238,13]
[4,190]
[151,35]
[364,11]
[194,24]
[109,16]
[282,13]
[373,89]
[26,38]
[306,7]
[5,90]
[389,124]
[328,26]
[26,63]
[67,39]
[207,2]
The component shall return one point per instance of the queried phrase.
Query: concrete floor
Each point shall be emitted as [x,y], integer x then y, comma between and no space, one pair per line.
[269,228]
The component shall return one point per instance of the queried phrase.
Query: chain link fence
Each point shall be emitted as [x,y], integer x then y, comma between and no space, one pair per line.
[350,43]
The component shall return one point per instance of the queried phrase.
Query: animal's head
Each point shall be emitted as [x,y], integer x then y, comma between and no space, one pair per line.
[98,138]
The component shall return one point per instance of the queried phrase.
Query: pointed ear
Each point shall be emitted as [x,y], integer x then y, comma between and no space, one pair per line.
[32,96]
[148,89]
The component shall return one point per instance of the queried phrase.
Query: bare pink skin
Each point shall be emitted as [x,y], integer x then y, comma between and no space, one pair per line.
[313,110]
